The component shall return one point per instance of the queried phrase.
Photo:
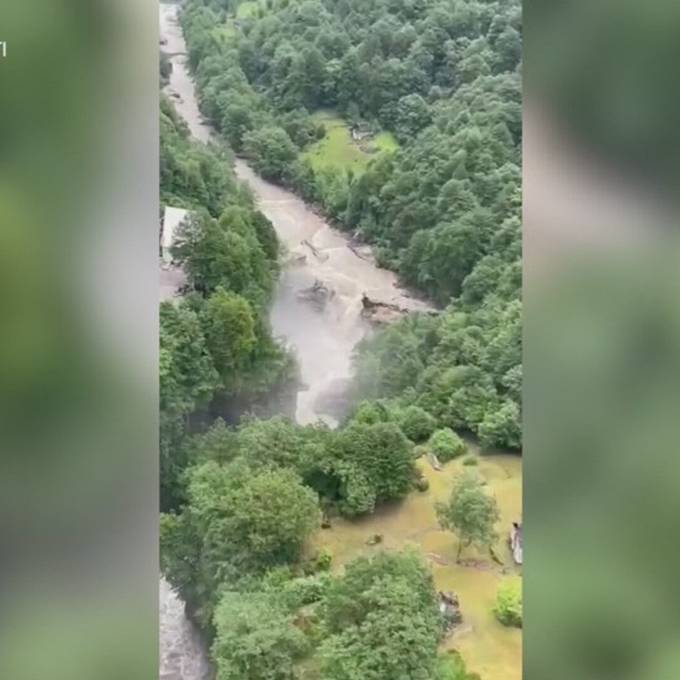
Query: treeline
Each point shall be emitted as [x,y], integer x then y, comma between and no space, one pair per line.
[215,342]
[443,211]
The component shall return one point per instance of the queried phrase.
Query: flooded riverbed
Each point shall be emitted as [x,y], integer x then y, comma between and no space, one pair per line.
[320,255]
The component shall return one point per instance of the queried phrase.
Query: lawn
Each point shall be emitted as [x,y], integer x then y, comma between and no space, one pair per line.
[385,141]
[338,150]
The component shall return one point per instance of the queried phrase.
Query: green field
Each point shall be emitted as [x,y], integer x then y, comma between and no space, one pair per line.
[385,141]
[337,150]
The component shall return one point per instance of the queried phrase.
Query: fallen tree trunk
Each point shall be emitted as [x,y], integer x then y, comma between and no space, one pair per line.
[318,295]
[317,253]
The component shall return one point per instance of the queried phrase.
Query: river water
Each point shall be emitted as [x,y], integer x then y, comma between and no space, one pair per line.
[322,336]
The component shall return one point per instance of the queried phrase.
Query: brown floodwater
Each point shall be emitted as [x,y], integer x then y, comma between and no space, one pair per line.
[488,648]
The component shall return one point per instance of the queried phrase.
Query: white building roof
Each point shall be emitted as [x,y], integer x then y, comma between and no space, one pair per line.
[172,218]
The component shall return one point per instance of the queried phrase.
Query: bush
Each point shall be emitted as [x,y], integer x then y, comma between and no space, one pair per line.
[450,666]
[416,423]
[470,460]
[370,413]
[446,445]
[508,607]
[320,562]
[303,591]
[422,484]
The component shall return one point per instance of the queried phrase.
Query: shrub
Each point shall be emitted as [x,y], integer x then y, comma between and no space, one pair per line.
[370,413]
[508,607]
[446,445]
[470,460]
[450,666]
[416,423]
[422,484]
[303,591]
[320,562]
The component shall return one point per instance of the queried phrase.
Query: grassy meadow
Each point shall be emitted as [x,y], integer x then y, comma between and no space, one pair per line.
[338,151]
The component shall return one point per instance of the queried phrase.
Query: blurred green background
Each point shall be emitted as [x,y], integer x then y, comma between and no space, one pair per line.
[78,307]
[602,340]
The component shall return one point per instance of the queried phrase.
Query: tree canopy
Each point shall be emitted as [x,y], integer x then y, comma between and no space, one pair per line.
[383,621]
[470,513]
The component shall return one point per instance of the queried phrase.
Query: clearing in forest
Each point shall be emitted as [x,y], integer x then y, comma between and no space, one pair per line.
[339,151]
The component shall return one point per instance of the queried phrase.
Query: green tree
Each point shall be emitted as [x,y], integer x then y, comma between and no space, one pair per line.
[416,423]
[502,427]
[188,380]
[187,372]
[270,517]
[271,151]
[446,445]
[470,513]
[254,639]
[237,121]
[508,606]
[413,114]
[235,524]
[371,412]
[213,256]
[229,328]
[383,620]
[380,454]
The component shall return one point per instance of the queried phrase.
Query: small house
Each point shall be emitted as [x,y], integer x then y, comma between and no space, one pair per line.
[172,218]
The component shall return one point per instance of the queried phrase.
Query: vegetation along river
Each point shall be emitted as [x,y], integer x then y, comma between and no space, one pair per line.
[323,337]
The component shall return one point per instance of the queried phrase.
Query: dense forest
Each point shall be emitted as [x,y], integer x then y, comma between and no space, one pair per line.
[443,76]
[443,210]
[441,207]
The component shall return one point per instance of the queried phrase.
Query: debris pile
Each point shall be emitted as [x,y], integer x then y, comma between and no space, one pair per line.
[449,608]
[318,295]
